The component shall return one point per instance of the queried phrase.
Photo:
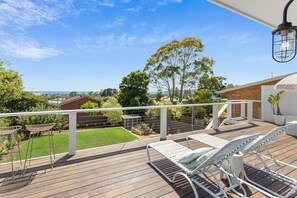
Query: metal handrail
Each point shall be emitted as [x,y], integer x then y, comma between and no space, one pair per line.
[114,109]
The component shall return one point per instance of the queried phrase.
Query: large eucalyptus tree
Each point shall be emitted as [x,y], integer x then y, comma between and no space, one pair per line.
[177,66]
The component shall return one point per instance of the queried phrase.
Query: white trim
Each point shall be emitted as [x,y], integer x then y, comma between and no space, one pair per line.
[241,13]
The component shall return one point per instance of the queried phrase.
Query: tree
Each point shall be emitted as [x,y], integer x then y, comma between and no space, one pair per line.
[25,102]
[113,117]
[178,65]
[12,96]
[73,93]
[42,119]
[159,95]
[175,112]
[11,86]
[133,89]
[213,83]
[94,94]
[108,92]
[90,105]
[203,96]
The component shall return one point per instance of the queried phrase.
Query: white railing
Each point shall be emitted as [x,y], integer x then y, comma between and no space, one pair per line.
[210,125]
[72,114]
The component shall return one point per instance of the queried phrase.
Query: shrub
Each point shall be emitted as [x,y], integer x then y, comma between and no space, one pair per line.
[113,117]
[42,119]
[200,112]
[174,112]
[143,126]
[4,122]
[20,137]
[7,144]
[90,105]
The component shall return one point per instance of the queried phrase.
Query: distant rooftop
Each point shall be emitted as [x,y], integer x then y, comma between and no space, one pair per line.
[75,98]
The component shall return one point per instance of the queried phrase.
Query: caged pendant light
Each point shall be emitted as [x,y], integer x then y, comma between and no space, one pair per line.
[284,39]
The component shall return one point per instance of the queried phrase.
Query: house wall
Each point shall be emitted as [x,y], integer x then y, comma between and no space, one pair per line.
[288,104]
[247,93]
[77,104]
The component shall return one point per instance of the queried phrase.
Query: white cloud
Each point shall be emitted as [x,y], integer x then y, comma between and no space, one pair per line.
[117,22]
[28,13]
[117,41]
[106,3]
[23,47]
[239,38]
[163,2]
[134,9]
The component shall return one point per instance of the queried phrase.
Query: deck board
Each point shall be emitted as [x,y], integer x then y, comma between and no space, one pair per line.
[122,170]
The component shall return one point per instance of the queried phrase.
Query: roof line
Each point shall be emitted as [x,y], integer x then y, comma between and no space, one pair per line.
[78,98]
[239,12]
[255,83]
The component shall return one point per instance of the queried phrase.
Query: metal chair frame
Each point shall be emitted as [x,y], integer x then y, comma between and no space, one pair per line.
[254,149]
[170,149]
[33,131]
[8,131]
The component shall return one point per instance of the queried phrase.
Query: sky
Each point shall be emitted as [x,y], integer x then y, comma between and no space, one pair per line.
[75,45]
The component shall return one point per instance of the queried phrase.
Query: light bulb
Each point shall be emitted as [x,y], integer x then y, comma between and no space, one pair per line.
[285,46]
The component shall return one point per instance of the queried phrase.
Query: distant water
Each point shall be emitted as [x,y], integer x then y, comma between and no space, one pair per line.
[57,92]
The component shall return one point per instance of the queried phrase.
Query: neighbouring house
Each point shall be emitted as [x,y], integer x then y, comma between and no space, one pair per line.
[250,91]
[76,102]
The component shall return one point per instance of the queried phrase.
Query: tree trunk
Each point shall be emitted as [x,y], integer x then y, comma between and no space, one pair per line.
[182,83]
[173,89]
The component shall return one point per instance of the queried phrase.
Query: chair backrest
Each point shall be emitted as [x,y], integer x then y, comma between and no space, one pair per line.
[260,142]
[225,152]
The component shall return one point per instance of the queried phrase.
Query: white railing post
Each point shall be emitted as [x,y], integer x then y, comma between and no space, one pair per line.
[229,111]
[250,112]
[163,124]
[215,117]
[72,133]
[242,110]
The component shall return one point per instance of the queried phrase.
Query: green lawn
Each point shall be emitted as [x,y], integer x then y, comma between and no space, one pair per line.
[85,139]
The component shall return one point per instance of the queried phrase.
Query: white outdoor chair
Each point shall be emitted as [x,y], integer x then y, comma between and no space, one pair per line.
[212,165]
[254,148]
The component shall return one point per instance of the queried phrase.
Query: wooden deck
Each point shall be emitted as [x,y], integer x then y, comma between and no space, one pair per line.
[122,171]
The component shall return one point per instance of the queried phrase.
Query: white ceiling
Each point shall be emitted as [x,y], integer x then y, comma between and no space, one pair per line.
[266,12]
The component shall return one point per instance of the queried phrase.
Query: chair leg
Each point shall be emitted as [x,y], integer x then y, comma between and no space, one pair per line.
[27,152]
[20,156]
[31,149]
[189,180]
[187,139]
[52,136]
[11,154]
[50,148]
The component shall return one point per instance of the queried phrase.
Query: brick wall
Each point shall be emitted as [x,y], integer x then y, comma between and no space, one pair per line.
[247,93]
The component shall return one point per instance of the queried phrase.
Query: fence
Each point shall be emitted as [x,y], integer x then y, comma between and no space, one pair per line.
[118,122]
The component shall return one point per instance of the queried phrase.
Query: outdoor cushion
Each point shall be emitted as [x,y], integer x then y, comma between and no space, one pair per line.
[195,163]
[191,156]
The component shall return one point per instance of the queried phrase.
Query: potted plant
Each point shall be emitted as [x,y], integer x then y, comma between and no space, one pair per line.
[274,100]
